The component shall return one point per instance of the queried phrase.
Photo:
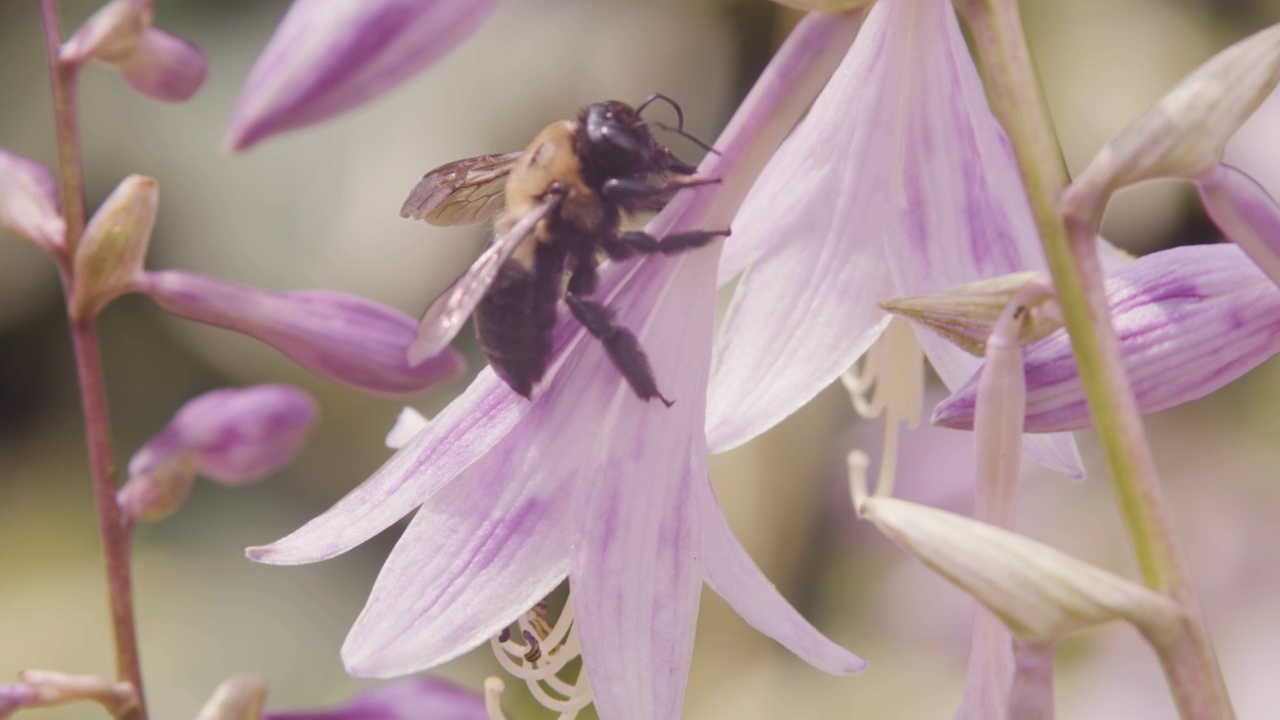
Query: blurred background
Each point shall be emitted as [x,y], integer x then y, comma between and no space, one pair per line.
[318,208]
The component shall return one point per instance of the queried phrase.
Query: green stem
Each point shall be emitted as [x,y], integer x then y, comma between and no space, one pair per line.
[1017,100]
[115,530]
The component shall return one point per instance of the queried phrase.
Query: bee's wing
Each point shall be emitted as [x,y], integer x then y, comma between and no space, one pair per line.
[449,312]
[464,192]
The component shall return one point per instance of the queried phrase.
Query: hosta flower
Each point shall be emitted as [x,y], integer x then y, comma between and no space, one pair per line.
[1190,320]
[29,201]
[584,481]
[899,182]
[327,57]
[154,62]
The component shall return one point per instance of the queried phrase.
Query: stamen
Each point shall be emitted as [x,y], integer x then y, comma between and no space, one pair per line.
[493,687]
[547,649]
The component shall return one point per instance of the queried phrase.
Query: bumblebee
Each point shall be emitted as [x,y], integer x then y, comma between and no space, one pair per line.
[559,204]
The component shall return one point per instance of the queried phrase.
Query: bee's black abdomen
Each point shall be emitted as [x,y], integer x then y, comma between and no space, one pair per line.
[514,321]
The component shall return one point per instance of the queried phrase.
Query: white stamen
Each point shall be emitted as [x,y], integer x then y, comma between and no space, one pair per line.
[493,687]
[538,651]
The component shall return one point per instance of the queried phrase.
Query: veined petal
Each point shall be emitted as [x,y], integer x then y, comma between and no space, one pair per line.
[408,699]
[29,201]
[1246,213]
[477,555]
[327,57]
[1190,320]
[737,579]
[463,432]
[343,337]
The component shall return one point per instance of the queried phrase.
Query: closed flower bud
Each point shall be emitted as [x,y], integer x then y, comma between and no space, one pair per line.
[1185,133]
[110,256]
[154,62]
[343,337]
[966,315]
[406,699]
[1190,320]
[328,57]
[1040,593]
[232,436]
[29,201]
[239,697]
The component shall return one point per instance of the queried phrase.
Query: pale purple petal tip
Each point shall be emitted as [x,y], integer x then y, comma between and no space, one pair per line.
[408,699]
[1190,320]
[326,58]
[29,201]
[164,67]
[1246,213]
[343,337]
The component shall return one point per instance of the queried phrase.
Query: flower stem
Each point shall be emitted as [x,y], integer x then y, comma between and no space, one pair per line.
[116,532]
[1016,98]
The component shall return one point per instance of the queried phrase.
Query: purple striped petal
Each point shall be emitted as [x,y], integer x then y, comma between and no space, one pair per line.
[343,337]
[327,57]
[415,698]
[1190,320]
[29,201]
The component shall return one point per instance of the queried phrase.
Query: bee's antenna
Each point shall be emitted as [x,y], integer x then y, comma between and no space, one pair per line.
[674,105]
[688,136]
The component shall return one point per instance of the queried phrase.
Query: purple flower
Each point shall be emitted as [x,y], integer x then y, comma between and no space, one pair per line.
[328,57]
[343,337]
[898,183]
[417,698]
[584,481]
[154,62]
[1190,320]
[29,202]
[231,436]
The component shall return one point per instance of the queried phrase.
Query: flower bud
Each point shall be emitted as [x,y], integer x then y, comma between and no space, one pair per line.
[406,699]
[1189,320]
[343,337]
[239,697]
[1185,133]
[232,436]
[409,423]
[154,62]
[1040,593]
[111,254]
[326,58]
[966,315]
[1245,213]
[29,201]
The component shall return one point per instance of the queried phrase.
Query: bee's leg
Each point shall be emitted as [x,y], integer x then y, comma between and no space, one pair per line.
[622,346]
[626,190]
[583,279]
[625,244]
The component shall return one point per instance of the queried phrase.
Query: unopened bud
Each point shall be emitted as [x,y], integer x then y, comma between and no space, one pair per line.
[1040,593]
[29,201]
[109,258]
[1185,133]
[154,62]
[239,697]
[343,337]
[1245,213]
[966,315]
[232,436]
[412,698]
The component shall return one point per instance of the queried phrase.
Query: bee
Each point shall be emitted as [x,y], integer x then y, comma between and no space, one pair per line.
[558,205]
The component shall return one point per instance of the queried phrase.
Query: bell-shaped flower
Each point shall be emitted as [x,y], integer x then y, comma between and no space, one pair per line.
[900,182]
[1190,320]
[1185,135]
[585,481]
[29,202]
[328,57]
[113,250]
[414,698]
[231,436]
[154,62]
[343,337]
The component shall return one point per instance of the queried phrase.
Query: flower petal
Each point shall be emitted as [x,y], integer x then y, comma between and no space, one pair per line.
[461,434]
[736,578]
[328,57]
[164,66]
[29,201]
[412,698]
[1246,213]
[477,555]
[343,337]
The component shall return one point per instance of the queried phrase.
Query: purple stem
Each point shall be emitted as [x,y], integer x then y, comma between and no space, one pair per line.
[115,531]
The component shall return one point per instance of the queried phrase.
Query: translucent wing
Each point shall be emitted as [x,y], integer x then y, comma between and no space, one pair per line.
[449,312]
[465,192]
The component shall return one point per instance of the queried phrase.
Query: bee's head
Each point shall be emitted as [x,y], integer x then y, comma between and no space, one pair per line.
[618,138]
